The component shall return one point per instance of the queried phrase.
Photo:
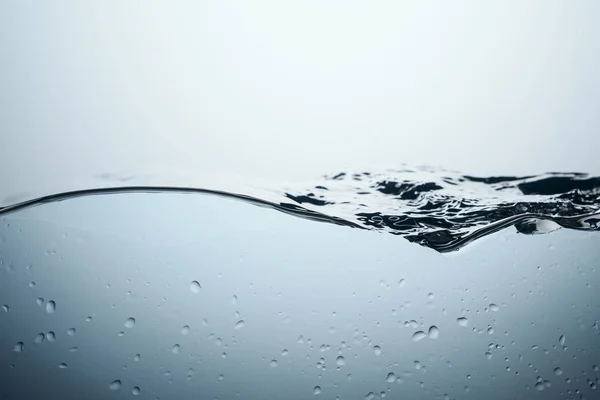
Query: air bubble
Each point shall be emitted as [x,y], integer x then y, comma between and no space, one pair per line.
[185,330]
[39,338]
[71,331]
[115,385]
[239,324]
[175,349]
[51,307]
[462,321]
[195,287]
[418,336]
[340,361]
[434,332]
[390,378]
[377,350]
[493,307]
[558,371]
[62,365]
[129,322]
[273,363]
[317,390]
[50,336]
[136,390]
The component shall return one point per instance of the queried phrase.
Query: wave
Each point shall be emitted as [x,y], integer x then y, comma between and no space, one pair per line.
[438,209]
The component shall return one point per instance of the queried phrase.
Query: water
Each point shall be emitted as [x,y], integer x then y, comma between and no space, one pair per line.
[305,309]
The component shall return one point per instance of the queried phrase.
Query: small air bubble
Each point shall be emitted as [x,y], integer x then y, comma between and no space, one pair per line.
[62,365]
[195,287]
[340,361]
[377,350]
[234,300]
[558,371]
[50,336]
[71,331]
[391,378]
[175,349]
[284,352]
[5,308]
[561,340]
[136,357]
[136,390]
[430,296]
[418,336]
[273,363]
[418,365]
[239,324]
[434,332]
[317,390]
[540,386]
[462,321]
[31,284]
[88,319]
[488,355]
[401,282]
[129,322]
[39,301]
[185,330]
[115,385]
[39,338]
[50,307]
[493,307]
[73,349]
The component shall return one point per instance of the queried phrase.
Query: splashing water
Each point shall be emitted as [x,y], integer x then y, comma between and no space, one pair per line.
[438,209]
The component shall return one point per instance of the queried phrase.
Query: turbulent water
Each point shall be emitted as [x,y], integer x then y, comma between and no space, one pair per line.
[438,209]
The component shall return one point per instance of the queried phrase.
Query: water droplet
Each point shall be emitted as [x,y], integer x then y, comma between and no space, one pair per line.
[73,349]
[317,390]
[115,385]
[595,368]
[561,340]
[540,386]
[175,349]
[50,307]
[418,365]
[434,332]
[5,308]
[493,307]
[490,330]
[234,300]
[300,339]
[39,301]
[136,357]
[558,371]
[71,331]
[62,365]
[19,347]
[239,324]
[488,355]
[377,350]
[284,352]
[221,377]
[129,322]
[39,338]
[391,378]
[340,361]
[88,319]
[195,287]
[462,321]
[418,336]
[273,363]
[430,296]
[136,390]
[401,282]
[185,330]
[121,333]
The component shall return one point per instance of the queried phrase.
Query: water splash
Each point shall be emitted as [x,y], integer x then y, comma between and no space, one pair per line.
[435,208]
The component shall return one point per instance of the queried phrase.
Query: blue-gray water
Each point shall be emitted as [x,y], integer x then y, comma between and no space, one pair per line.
[172,295]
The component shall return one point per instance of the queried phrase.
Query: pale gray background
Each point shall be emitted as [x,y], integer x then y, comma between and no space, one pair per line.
[293,90]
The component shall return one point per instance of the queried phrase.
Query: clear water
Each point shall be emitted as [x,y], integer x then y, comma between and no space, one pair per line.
[176,295]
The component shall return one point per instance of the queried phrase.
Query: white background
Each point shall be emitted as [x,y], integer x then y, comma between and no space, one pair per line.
[293,90]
